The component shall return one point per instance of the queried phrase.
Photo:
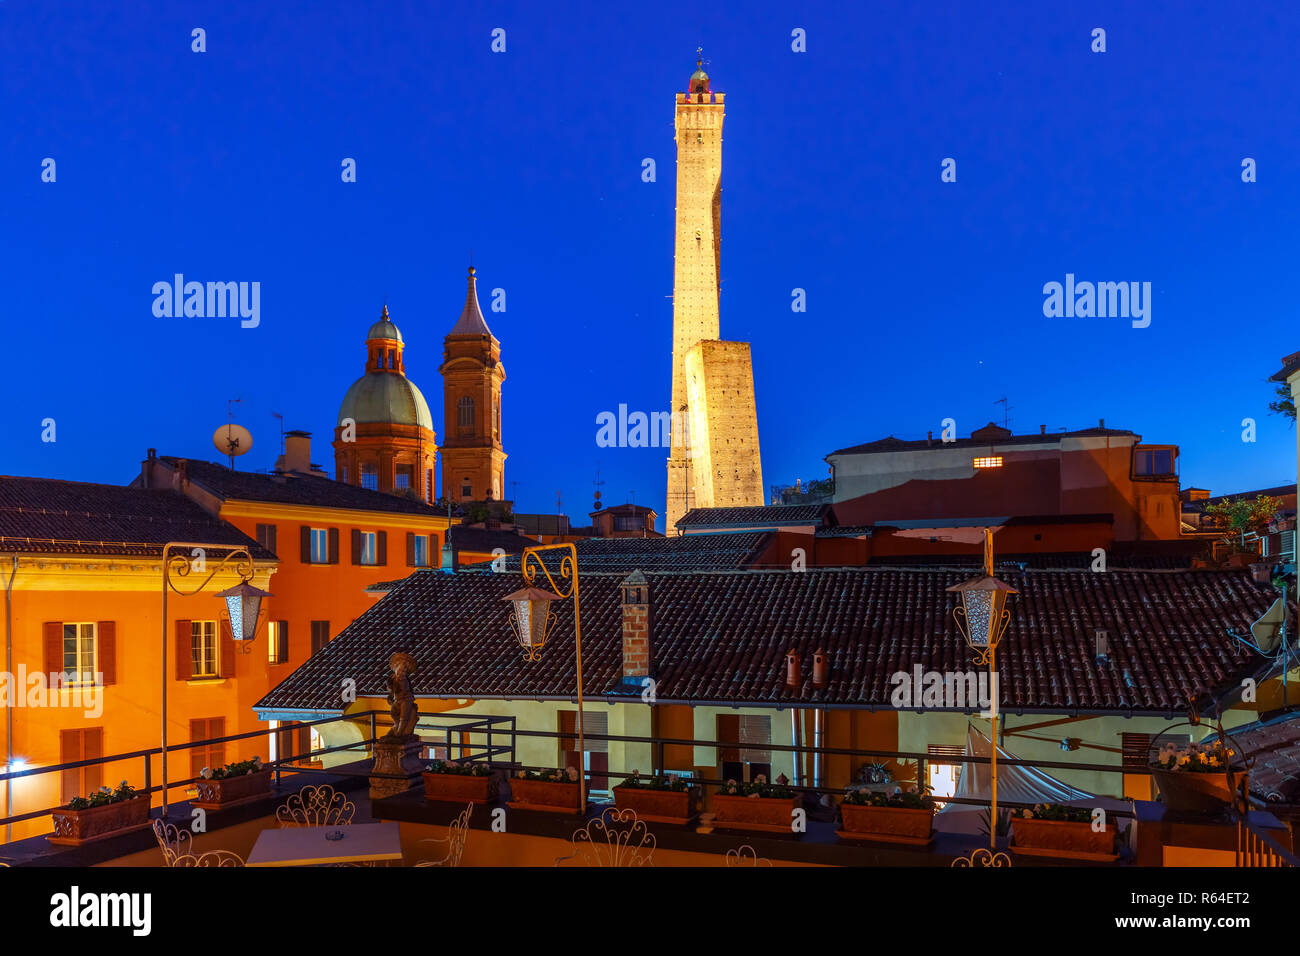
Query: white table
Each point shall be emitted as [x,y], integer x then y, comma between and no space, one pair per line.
[307,846]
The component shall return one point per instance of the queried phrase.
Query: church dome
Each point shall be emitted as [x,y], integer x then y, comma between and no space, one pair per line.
[384,329]
[385,397]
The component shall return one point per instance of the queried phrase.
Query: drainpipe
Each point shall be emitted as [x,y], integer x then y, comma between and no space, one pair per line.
[796,738]
[9,717]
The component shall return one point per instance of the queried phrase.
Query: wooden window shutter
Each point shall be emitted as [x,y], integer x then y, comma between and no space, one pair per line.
[226,653]
[106,634]
[284,741]
[334,545]
[184,651]
[198,755]
[69,752]
[595,723]
[381,547]
[568,725]
[410,549]
[728,734]
[53,631]
[92,746]
[282,642]
[216,752]
[304,534]
[756,738]
[356,545]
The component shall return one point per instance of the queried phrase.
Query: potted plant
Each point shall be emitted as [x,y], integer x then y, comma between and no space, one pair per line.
[659,798]
[1195,778]
[234,783]
[757,805]
[463,782]
[103,814]
[1051,829]
[555,791]
[904,816]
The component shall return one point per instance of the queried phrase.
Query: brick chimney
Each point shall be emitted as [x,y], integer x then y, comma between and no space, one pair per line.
[793,677]
[297,451]
[821,668]
[638,654]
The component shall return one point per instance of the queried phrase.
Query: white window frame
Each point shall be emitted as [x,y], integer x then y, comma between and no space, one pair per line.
[83,632]
[420,550]
[320,546]
[205,632]
[369,547]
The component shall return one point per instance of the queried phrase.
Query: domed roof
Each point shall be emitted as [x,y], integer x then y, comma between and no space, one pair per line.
[699,79]
[384,329]
[385,397]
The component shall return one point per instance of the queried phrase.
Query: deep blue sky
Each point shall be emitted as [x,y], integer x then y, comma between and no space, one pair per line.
[924,298]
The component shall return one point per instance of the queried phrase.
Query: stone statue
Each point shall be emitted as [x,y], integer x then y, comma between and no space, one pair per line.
[401,697]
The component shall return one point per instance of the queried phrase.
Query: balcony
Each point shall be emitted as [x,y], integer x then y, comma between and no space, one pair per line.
[541,836]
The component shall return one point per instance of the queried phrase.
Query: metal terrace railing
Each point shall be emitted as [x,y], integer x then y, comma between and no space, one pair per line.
[494,739]
[497,735]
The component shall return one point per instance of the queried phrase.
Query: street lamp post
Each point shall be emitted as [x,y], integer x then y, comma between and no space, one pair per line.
[243,603]
[982,618]
[533,622]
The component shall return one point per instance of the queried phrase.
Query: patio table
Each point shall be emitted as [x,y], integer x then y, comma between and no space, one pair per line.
[307,846]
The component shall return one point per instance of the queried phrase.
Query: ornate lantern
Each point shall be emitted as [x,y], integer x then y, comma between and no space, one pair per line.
[982,615]
[244,602]
[532,618]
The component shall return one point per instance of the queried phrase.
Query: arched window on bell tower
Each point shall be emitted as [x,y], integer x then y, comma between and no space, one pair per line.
[465,412]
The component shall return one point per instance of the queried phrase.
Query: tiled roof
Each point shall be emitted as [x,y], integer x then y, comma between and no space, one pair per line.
[486,540]
[1062,560]
[764,515]
[1275,745]
[44,515]
[722,636]
[691,552]
[902,444]
[297,488]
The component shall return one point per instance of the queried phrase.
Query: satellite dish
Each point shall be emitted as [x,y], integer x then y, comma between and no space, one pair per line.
[232,440]
[1267,630]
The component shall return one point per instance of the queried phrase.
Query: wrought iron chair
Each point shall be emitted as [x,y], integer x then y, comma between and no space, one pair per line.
[212,858]
[454,841]
[316,806]
[175,842]
[746,855]
[615,838]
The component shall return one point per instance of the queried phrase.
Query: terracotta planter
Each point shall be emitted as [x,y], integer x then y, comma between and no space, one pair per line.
[1193,792]
[75,827]
[228,791]
[544,795]
[459,787]
[887,824]
[772,814]
[659,806]
[1061,838]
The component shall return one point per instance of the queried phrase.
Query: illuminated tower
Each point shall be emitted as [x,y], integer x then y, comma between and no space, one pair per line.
[714,458]
[473,462]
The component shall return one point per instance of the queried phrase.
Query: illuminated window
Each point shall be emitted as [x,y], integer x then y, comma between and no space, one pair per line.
[277,633]
[989,461]
[203,648]
[942,777]
[79,652]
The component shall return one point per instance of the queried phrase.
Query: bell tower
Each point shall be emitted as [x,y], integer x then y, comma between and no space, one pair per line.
[473,462]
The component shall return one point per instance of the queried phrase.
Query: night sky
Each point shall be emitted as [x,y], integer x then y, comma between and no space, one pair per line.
[924,298]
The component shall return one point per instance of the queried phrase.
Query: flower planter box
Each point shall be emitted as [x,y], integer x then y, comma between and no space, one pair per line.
[544,795]
[1185,792]
[1062,839]
[230,791]
[460,787]
[659,806]
[887,824]
[770,814]
[76,827]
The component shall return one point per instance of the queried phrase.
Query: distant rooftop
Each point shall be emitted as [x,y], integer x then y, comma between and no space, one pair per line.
[990,434]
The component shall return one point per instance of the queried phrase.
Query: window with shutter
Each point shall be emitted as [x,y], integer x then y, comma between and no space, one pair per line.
[595,757]
[941,775]
[183,650]
[277,642]
[266,536]
[208,755]
[203,649]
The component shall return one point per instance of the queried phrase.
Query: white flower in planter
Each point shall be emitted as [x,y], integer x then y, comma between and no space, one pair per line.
[206,773]
[257,763]
[571,773]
